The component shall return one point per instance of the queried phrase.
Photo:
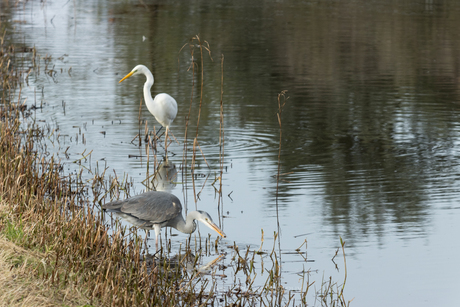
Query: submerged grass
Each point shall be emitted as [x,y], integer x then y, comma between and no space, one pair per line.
[66,243]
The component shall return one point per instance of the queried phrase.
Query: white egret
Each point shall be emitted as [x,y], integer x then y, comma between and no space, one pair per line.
[157,209]
[163,107]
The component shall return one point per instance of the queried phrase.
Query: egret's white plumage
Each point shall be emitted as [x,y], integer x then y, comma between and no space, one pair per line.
[163,107]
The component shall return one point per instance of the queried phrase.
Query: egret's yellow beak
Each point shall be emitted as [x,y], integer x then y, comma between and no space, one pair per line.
[127,76]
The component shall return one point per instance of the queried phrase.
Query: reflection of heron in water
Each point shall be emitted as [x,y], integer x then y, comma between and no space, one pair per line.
[187,261]
[155,209]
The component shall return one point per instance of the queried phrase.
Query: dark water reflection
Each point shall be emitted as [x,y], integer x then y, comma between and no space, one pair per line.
[370,141]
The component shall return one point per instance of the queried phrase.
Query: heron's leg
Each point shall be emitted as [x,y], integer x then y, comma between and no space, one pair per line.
[157,233]
[146,237]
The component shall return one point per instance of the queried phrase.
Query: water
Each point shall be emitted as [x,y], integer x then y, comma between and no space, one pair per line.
[370,142]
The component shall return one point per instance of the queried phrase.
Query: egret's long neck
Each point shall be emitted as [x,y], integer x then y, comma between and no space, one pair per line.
[147,94]
[187,226]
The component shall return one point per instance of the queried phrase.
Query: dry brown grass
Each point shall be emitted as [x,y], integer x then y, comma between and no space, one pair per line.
[20,288]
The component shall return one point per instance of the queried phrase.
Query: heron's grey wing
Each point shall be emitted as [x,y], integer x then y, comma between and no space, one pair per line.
[153,206]
[113,206]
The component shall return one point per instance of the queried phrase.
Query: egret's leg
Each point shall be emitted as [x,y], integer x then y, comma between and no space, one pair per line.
[147,135]
[166,140]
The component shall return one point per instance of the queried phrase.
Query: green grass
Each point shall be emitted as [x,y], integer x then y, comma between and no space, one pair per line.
[13,232]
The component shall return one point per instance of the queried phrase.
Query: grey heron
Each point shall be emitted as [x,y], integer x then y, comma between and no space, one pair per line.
[163,107]
[157,209]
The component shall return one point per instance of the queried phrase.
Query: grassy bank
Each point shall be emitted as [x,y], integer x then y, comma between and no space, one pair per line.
[20,288]
[21,186]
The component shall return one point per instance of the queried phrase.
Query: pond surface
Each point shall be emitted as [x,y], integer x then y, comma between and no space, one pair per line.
[370,130]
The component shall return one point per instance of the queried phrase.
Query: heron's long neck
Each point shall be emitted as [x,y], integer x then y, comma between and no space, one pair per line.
[187,226]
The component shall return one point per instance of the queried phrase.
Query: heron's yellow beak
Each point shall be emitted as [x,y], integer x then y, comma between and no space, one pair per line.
[217,229]
[127,76]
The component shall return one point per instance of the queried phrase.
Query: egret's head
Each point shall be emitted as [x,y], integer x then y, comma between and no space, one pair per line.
[136,70]
[207,220]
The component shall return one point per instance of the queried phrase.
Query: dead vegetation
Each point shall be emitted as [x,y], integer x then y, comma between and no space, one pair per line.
[19,288]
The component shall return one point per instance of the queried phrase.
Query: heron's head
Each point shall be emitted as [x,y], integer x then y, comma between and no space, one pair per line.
[206,219]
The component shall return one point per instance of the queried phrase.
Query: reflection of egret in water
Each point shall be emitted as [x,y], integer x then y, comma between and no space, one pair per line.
[165,177]
[156,209]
